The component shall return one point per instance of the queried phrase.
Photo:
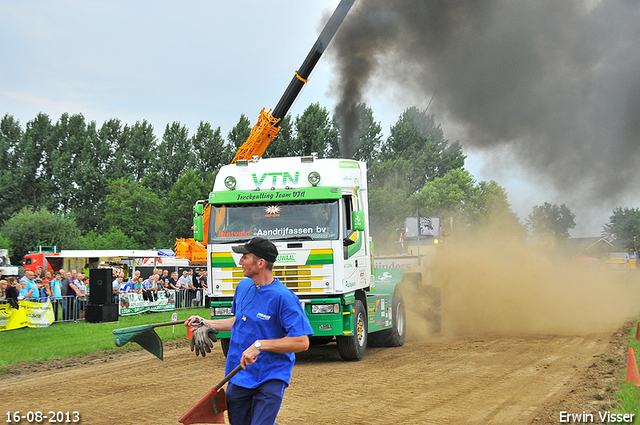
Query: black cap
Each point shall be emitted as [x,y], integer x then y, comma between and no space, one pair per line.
[259,247]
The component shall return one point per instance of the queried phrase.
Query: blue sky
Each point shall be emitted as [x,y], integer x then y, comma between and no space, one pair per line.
[199,61]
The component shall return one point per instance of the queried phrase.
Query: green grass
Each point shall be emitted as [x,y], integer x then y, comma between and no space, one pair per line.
[67,339]
[628,396]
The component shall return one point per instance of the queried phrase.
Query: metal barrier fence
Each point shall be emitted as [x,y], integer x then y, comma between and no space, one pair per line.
[71,309]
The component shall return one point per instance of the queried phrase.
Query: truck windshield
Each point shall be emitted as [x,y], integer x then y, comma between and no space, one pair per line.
[310,221]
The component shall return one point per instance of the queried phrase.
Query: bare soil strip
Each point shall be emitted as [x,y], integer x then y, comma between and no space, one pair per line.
[488,380]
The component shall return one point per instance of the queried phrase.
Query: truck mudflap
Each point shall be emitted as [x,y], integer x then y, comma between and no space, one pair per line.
[418,296]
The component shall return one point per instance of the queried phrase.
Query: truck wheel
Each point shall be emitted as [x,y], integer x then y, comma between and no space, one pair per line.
[395,336]
[353,347]
[224,344]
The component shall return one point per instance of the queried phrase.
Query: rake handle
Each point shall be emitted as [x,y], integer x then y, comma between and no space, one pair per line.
[228,377]
[157,325]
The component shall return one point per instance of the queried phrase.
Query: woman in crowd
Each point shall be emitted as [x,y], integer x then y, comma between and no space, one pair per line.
[81,295]
[3,291]
[12,292]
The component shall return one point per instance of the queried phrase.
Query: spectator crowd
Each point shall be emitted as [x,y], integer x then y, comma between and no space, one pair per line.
[188,287]
[68,291]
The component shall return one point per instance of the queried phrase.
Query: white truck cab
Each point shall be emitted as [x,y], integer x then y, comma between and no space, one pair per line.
[316,213]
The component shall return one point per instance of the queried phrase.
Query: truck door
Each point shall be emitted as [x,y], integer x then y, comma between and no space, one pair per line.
[355,251]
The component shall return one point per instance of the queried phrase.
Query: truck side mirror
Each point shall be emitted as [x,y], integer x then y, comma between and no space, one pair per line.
[357,218]
[198,228]
[198,209]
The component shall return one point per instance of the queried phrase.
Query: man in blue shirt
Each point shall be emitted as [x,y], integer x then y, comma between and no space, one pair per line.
[28,278]
[268,327]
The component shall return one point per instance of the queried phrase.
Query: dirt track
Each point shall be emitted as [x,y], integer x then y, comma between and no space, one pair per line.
[520,343]
[499,380]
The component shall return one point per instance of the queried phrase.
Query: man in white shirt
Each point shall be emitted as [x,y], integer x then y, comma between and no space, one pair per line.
[183,284]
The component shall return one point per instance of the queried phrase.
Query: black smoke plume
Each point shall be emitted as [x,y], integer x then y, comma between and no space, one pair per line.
[556,82]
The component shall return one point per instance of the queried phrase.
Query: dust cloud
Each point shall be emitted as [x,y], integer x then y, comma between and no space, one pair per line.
[504,286]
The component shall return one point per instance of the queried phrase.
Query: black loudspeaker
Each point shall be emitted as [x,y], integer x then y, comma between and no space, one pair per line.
[101,313]
[100,288]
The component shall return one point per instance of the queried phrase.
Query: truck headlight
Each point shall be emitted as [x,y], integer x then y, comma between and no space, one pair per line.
[314,178]
[325,308]
[222,311]
[230,182]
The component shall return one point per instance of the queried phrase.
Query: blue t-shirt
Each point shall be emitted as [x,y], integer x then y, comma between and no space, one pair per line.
[56,285]
[35,294]
[271,312]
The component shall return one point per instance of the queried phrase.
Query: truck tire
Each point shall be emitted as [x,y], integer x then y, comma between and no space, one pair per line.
[353,347]
[395,336]
[224,344]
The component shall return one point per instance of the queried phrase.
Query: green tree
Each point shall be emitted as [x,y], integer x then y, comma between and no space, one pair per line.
[551,220]
[32,227]
[369,136]
[623,228]
[135,210]
[211,152]
[178,214]
[175,155]
[77,170]
[239,133]
[116,138]
[471,204]
[90,181]
[315,132]
[70,133]
[140,150]
[132,149]
[418,140]
[5,243]
[490,204]
[11,197]
[34,165]
[282,145]
[457,194]
[113,239]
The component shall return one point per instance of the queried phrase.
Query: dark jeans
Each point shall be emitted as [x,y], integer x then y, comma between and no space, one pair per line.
[191,295]
[255,406]
[69,308]
[55,304]
[149,295]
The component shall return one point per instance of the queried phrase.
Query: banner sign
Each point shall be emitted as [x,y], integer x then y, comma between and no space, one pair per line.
[30,314]
[133,303]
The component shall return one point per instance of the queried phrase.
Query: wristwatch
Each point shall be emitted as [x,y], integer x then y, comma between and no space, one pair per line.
[258,346]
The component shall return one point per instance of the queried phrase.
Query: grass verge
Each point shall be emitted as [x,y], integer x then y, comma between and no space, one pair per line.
[628,396]
[61,340]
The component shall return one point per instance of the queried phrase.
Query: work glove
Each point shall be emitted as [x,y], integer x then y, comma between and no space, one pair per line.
[203,338]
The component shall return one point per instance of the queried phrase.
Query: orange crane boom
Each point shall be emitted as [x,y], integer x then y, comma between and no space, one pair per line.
[268,125]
